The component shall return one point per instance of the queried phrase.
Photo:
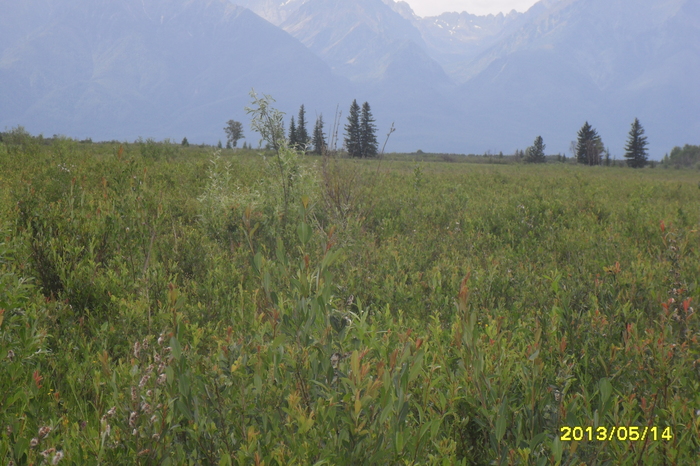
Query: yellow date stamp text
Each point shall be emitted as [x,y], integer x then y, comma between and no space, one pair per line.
[619,433]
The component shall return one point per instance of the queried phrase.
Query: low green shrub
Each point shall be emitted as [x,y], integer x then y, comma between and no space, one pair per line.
[193,309]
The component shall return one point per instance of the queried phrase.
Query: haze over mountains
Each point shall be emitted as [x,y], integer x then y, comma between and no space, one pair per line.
[453,83]
[167,68]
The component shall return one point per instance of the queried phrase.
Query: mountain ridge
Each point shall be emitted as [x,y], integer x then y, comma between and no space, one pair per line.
[135,68]
[590,62]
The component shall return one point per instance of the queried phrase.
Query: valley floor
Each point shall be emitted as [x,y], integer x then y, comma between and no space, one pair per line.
[170,305]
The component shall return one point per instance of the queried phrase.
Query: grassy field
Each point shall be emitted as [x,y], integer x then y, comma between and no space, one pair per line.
[162,305]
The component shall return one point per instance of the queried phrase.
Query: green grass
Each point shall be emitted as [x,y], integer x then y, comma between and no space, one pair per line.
[162,305]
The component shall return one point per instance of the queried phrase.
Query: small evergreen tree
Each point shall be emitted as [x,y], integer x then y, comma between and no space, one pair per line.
[228,145]
[293,136]
[636,148]
[352,131]
[589,146]
[319,139]
[302,134]
[185,142]
[535,153]
[234,131]
[583,135]
[368,138]
[219,146]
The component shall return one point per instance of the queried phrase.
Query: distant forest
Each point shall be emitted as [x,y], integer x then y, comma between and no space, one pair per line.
[687,156]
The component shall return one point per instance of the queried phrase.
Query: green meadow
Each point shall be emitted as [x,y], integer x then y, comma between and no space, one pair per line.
[169,305]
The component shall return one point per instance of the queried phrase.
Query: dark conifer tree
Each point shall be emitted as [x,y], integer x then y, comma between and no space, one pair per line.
[319,139]
[589,146]
[636,148]
[293,136]
[302,134]
[185,142]
[368,138]
[535,153]
[352,131]
[584,134]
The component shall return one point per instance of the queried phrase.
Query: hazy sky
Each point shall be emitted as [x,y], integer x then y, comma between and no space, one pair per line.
[477,7]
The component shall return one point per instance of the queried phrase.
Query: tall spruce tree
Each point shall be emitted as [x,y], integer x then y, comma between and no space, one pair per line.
[368,137]
[293,137]
[352,131]
[589,147]
[535,153]
[319,139]
[636,148]
[302,134]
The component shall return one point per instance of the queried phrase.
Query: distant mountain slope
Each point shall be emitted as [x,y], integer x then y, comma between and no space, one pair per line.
[363,40]
[605,61]
[274,11]
[455,39]
[165,68]
[384,55]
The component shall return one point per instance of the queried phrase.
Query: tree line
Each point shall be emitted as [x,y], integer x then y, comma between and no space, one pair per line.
[589,148]
[299,137]
[686,156]
[360,133]
[360,139]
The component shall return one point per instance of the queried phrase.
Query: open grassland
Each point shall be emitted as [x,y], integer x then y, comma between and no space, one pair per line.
[168,305]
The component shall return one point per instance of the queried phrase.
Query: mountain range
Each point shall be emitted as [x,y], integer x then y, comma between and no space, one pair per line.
[457,82]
